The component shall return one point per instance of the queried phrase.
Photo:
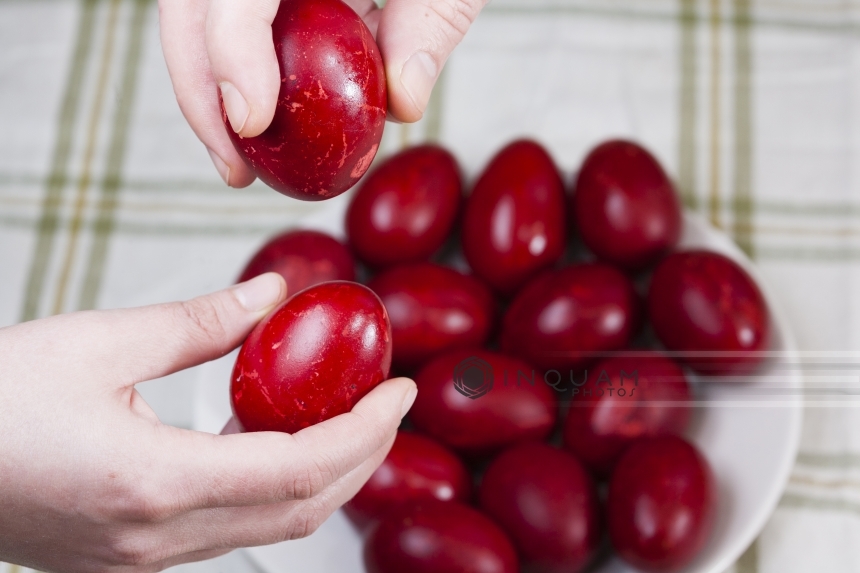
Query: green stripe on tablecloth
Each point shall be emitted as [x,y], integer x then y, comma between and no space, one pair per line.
[169,185]
[434,109]
[796,501]
[743,230]
[748,562]
[841,461]
[110,185]
[47,226]
[687,99]
[76,221]
[838,26]
[716,30]
[812,254]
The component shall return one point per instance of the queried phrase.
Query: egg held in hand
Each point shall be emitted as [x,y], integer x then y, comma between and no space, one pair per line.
[331,106]
[312,358]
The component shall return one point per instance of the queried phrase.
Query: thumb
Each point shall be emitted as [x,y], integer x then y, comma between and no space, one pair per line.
[243,61]
[145,343]
[416,37]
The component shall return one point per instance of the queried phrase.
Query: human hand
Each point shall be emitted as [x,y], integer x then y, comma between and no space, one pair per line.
[227,43]
[91,481]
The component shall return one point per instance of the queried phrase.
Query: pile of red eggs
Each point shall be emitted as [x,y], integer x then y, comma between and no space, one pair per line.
[556,364]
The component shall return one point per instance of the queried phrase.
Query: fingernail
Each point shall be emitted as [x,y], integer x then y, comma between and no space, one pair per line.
[260,292]
[418,77]
[408,400]
[235,105]
[223,168]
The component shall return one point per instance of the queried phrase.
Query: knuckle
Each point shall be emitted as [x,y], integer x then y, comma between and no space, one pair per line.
[134,502]
[129,551]
[204,321]
[457,14]
[307,524]
[307,483]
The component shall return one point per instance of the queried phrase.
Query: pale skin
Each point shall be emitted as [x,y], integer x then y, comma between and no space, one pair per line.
[227,44]
[91,480]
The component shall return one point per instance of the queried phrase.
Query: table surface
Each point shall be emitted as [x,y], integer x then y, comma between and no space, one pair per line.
[752,105]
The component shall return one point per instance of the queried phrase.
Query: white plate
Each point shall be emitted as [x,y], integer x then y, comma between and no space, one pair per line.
[750,445]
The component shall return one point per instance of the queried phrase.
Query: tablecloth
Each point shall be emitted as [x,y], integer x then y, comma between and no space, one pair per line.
[108,200]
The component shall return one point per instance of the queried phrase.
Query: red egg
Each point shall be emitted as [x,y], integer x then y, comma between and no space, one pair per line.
[623,399]
[514,220]
[661,504]
[547,504]
[563,319]
[312,358]
[624,205]
[331,107]
[709,310]
[405,208]
[477,402]
[416,468]
[303,258]
[439,537]
[433,309]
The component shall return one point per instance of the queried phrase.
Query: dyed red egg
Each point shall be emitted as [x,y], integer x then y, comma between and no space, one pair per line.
[477,402]
[623,399]
[439,537]
[707,308]
[416,468]
[331,107]
[303,258]
[405,208]
[311,359]
[433,309]
[624,205]
[547,504]
[514,220]
[661,504]
[563,319]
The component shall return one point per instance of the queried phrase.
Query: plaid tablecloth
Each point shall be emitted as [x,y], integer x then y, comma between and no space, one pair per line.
[108,200]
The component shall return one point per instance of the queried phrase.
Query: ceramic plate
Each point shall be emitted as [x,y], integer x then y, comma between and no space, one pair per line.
[749,437]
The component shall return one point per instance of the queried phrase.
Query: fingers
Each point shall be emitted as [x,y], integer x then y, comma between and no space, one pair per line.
[192,557]
[128,346]
[242,56]
[183,40]
[139,344]
[270,467]
[416,37]
[218,530]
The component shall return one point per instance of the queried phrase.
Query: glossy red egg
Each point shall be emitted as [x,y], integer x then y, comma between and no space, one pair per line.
[331,107]
[547,504]
[563,319]
[312,358]
[707,308]
[623,399]
[514,220]
[661,504]
[303,258]
[405,208]
[477,402]
[439,537]
[416,468]
[433,309]
[625,206]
